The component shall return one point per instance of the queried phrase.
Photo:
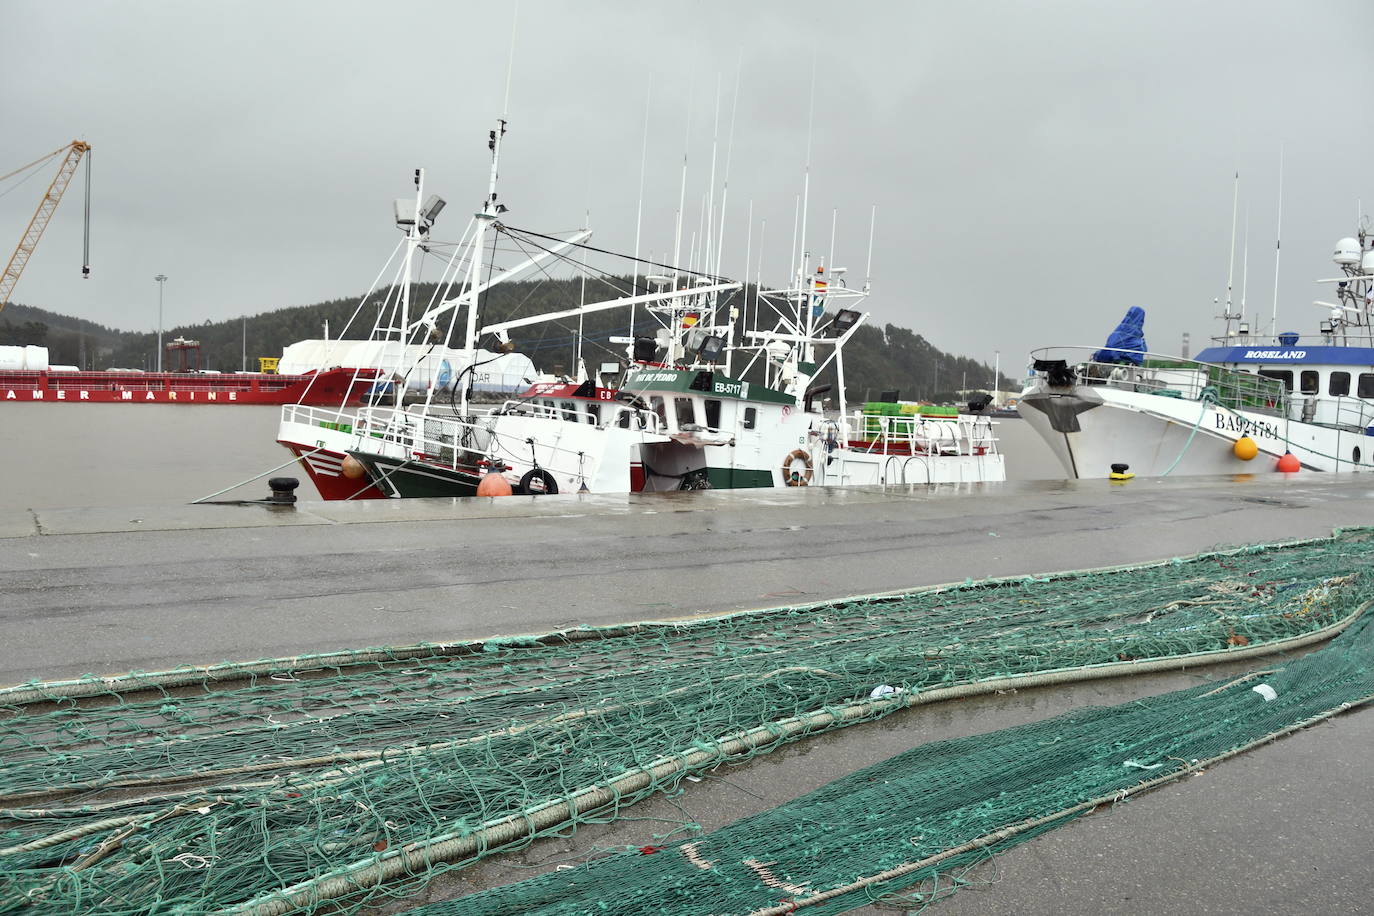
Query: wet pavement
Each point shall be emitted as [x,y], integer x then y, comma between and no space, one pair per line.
[1280,829]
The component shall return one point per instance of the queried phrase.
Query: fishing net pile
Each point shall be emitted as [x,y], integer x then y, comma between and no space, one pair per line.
[277,787]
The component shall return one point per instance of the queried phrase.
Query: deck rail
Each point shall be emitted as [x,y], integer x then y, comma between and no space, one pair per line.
[1166,376]
[961,435]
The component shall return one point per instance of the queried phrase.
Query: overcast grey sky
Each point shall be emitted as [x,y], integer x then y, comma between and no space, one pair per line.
[1037,167]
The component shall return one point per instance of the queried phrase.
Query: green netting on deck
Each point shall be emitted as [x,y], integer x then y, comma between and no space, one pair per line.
[204,796]
[945,805]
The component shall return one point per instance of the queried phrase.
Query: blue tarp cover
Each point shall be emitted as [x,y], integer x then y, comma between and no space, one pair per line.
[1129,335]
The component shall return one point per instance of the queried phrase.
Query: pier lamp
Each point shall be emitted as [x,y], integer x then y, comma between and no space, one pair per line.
[844,320]
[711,348]
[161,279]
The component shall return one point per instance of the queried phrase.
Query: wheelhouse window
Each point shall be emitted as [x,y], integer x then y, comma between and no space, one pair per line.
[686,410]
[750,417]
[1338,385]
[1282,375]
[569,410]
[593,413]
[712,413]
[1309,382]
[656,401]
[1366,386]
[623,419]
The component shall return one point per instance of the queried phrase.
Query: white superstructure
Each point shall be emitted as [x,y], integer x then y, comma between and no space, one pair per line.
[1308,396]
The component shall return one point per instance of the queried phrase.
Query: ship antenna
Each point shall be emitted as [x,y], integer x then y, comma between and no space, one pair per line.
[510,60]
[729,154]
[639,212]
[872,224]
[1231,262]
[682,190]
[709,210]
[1278,245]
[1245,264]
[802,278]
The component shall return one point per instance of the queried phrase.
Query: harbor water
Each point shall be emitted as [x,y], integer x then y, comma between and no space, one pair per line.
[105,455]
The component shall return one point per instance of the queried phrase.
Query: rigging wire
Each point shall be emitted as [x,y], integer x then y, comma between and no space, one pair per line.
[614,254]
[39,161]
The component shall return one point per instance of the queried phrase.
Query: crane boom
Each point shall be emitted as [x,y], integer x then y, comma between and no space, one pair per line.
[75,150]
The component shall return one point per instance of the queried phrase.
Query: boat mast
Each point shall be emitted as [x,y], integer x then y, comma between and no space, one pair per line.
[490,210]
[487,215]
[412,240]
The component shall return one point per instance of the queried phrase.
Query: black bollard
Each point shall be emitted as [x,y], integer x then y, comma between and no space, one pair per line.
[283,490]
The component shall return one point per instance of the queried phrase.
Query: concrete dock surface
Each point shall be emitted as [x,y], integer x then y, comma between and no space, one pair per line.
[1281,829]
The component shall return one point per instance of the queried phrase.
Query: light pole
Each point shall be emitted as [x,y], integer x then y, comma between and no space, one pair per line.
[161,279]
[997,378]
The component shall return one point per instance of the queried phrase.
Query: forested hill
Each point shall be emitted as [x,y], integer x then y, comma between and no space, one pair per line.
[876,359]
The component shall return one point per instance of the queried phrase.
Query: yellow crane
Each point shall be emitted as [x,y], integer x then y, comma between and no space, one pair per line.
[74,151]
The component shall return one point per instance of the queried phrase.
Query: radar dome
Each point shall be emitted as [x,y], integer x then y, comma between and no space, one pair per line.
[1367,262]
[1347,253]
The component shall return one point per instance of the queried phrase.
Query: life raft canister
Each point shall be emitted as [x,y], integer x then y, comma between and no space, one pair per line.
[793,478]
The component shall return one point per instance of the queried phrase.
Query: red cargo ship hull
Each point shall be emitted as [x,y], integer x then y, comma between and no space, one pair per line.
[332,387]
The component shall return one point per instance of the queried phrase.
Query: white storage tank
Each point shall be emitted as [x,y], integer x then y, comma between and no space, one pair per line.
[509,372]
[36,358]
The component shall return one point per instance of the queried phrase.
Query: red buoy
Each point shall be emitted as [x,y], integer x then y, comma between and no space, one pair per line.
[493,484]
[1289,463]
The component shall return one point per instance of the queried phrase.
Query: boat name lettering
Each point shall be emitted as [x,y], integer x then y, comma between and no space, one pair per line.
[82,394]
[1246,427]
[657,377]
[1275,354]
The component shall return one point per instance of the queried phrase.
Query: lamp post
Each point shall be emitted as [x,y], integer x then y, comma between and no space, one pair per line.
[161,279]
[997,378]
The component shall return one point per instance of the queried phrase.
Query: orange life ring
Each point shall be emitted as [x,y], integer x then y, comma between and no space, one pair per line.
[792,478]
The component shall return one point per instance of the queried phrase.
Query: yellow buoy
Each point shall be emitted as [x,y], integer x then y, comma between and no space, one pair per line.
[1245,448]
[352,468]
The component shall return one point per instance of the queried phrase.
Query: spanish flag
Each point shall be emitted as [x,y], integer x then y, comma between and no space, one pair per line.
[690,320]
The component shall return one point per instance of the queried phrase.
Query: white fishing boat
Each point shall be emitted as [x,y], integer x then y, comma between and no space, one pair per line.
[1248,403]
[673,414]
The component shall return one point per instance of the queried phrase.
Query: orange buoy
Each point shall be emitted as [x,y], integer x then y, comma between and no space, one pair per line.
[352,468]
[1245,448]
[1289,463]
[493,484]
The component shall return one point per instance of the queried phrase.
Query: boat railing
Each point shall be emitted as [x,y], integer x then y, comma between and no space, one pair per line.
[463,443]
[1349,413]
[1345,336]
[335,418]
[1165,376]
[640,418]
[961,435]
